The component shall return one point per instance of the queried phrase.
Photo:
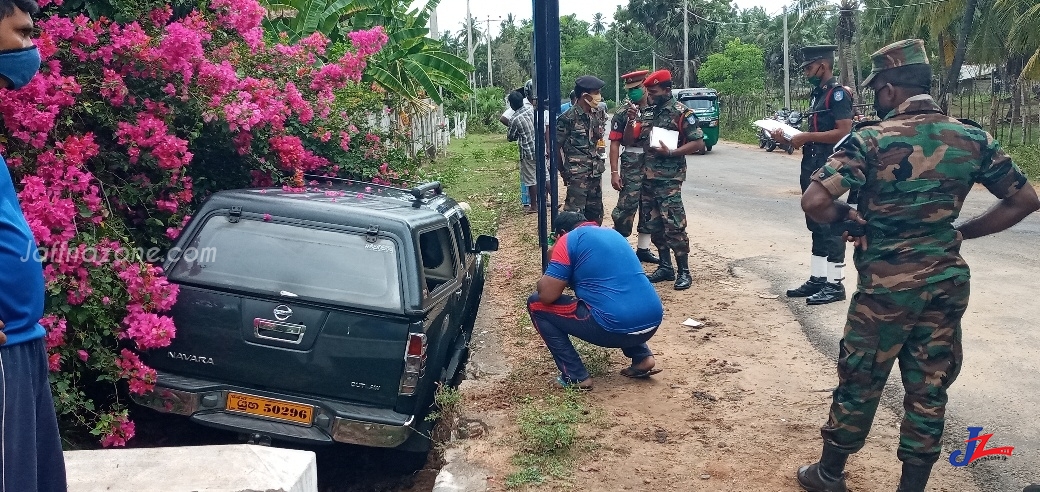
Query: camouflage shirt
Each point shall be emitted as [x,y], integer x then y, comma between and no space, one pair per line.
[577,132]
[672,115]
[619,123]
[913,171]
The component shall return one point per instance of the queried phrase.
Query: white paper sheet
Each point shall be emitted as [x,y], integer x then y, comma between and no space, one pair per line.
[669,137]
[770,125]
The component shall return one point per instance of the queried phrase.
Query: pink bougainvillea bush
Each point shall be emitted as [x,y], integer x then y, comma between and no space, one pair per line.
[127,127]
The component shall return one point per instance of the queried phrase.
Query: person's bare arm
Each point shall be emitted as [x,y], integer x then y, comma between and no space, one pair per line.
[1002,215]
[550,289]
[821,207]
[615,173]
[842,128]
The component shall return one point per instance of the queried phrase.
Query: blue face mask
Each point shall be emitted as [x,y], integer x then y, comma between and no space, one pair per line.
[19,66]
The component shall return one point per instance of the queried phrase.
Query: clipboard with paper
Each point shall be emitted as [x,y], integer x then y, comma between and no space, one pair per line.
[669,137]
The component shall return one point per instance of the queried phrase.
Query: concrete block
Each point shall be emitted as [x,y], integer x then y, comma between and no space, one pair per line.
[236,468]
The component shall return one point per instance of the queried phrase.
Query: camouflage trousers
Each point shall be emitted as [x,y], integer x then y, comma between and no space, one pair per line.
[661,212]
[624,214]
[584,194]
[921,328]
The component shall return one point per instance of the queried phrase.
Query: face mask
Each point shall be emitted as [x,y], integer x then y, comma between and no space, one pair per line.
[635,95]
[814,80]
[882,111]
[19,66]
[593,99]
[663,98]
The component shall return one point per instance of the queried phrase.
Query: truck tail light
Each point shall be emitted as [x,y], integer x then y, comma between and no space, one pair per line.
[414,363]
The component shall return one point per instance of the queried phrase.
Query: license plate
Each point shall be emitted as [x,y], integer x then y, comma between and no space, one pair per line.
[273,409]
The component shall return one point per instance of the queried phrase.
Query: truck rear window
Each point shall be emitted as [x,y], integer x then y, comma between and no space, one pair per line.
[282,260]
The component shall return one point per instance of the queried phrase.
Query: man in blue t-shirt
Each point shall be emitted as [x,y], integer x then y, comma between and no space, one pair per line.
[615,305]
[30,448]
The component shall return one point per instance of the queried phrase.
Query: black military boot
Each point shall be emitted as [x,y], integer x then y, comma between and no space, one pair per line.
[664,270]
[646,256]
[914,477]
[827,475]
[683,280]
[810,287]
[831,292]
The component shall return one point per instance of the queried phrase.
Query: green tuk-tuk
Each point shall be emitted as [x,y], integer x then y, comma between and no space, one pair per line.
[705,104]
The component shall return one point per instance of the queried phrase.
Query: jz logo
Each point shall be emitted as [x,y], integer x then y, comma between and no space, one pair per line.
[977,449]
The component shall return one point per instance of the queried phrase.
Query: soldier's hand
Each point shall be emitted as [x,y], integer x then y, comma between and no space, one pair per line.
[859,241]
[633,111]
[3,337]
[778,136]
[662,150]
[615,181]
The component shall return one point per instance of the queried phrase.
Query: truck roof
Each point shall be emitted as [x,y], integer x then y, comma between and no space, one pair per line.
[342,202]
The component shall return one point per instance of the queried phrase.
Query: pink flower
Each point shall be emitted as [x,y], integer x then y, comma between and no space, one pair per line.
[83,356]
[122,430]
[267,217]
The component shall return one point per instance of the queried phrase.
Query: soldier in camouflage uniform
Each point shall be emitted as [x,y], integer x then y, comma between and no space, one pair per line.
[627,178]
[913,171]
[662,208]
[577,132]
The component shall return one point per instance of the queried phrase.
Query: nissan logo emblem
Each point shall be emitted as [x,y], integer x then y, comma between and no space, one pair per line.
[282,312]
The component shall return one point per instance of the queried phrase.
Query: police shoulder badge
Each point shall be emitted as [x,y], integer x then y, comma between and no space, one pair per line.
[691,119]
[839,95]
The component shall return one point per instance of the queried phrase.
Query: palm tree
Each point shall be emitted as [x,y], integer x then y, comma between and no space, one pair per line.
[844,34]
[598,27]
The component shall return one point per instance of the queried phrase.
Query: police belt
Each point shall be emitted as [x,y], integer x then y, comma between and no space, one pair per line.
[634,150]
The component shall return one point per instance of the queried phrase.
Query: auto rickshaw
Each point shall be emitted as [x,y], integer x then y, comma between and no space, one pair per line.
[705,105]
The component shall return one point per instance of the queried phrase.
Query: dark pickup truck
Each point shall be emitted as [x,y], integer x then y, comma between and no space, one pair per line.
[328,315]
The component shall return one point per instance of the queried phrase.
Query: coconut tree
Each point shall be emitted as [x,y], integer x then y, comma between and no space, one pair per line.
[844,34]
[598,27]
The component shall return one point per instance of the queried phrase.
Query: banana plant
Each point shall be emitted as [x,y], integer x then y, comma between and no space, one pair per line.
[411,64]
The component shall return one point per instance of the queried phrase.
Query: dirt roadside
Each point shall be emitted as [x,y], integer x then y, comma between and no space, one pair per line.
[738,407]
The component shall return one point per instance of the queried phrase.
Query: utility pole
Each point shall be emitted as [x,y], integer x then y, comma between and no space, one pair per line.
[617,72]
[787,65]
[491,78]
[686,44]
[654,55]
[469,46]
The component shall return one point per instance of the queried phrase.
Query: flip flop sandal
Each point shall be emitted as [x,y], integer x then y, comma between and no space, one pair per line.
[631,372]
[585,385]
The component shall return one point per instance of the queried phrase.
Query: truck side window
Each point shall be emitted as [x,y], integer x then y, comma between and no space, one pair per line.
[438,257]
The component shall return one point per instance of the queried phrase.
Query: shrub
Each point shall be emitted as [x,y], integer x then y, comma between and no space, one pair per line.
[126,129]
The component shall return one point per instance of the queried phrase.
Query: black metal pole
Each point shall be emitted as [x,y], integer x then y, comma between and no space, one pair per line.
[547,90]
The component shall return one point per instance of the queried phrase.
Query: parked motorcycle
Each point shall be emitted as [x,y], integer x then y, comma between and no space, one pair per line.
[784,115]
[794,119]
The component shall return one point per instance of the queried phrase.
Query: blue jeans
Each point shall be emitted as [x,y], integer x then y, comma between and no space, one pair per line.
[569,316]
[525,197]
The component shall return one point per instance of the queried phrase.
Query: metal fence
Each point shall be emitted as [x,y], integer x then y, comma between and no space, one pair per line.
[1010,112]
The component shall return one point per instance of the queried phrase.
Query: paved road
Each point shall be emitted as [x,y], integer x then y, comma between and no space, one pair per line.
[743,204]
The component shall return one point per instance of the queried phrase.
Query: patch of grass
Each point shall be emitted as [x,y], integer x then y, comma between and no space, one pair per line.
[1027,157]
[743,134]
[596,359]
[548,437]
[482,171]
[448,400]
